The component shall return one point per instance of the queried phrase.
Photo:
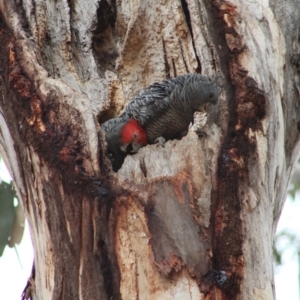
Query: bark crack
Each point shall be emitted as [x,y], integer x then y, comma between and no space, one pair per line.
[174,68]
[183,58]
[167,67]
[104,44]
[106,267]
[186,12]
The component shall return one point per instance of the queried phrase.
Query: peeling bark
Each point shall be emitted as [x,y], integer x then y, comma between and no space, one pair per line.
[192,220]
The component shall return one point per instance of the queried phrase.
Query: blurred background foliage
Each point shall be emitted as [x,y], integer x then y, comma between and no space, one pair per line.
[12,219]
[288,239]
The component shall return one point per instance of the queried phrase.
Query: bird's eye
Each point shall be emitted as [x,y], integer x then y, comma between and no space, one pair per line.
[135,135]
[211,95]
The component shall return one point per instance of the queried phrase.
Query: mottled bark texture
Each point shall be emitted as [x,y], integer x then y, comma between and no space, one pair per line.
[193,220]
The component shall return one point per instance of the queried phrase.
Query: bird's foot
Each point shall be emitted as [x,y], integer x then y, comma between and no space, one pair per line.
[161,141]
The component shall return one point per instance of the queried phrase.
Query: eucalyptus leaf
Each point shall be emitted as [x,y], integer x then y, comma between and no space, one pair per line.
[7,213]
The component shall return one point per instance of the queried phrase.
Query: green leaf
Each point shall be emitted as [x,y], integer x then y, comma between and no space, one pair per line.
[17,229]
[7,213]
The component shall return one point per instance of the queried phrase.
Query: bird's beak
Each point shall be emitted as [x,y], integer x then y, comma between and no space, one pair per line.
[131,147]
[135,147]
[124,148]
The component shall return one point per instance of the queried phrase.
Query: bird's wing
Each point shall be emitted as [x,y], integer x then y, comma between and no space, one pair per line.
[155,99]
[149,104]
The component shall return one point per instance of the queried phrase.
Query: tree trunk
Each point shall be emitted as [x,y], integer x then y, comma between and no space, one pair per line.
[193,220]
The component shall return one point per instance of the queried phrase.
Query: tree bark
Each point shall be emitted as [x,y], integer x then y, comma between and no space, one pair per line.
[193,220]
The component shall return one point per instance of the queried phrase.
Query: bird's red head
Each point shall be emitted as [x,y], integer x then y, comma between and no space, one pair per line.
[133,132]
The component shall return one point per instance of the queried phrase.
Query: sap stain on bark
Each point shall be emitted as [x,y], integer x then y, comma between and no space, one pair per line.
[49,126]
[247,110]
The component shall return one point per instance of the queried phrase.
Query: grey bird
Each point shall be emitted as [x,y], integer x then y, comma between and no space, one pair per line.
[161,112]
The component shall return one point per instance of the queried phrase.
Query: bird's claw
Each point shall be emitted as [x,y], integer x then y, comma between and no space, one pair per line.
[161,141]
